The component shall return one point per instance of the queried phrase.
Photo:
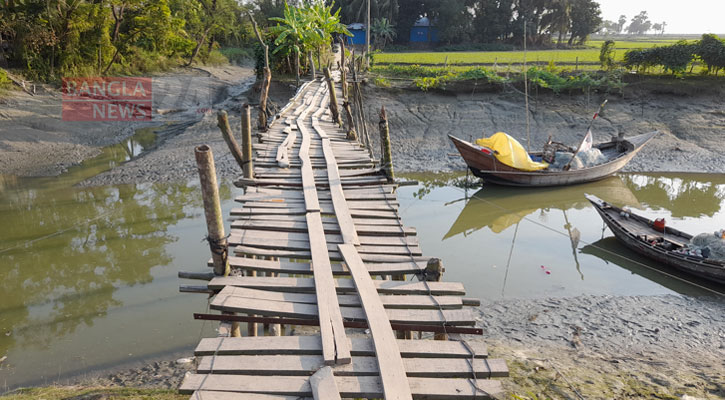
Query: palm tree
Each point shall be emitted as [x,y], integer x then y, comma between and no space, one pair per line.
[383,32]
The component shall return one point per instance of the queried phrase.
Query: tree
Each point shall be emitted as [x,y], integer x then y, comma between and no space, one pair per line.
[585,20]
[657,27]
[452,19]
[620,23]
[640,24]
[382,32]
[291,31]
[559,18]
[356,10]
[606,55]
[711,51]
[492,21]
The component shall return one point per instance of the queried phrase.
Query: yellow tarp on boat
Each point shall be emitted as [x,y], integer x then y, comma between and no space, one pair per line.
[510,152]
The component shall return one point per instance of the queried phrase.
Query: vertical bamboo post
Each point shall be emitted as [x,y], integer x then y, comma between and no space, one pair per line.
[247,142]
[343,72]
[386,156]
[333,97]
[576,67]
[223,124]
[212,209]
[251,326]
[213,213]
[434,273]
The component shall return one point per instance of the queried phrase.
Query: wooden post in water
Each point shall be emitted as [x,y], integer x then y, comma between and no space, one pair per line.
[333,97]
[386,156]
[434,273]
[213,213]
[247,167]
[212,209]
[223,124]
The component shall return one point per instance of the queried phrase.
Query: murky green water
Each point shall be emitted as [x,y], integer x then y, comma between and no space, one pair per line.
[88,275]
[497,240]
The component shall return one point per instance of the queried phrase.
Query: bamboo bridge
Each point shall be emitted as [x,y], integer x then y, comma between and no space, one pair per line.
[319,241]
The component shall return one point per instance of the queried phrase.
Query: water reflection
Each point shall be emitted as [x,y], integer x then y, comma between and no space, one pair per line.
[68,256]
[529,242]
[499,207]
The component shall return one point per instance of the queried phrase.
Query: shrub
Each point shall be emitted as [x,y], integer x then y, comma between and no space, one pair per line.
[382,82]
[4,80]
[606,55]
[711,51]
[236,54]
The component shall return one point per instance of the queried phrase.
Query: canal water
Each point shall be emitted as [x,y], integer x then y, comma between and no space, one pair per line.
[88,276]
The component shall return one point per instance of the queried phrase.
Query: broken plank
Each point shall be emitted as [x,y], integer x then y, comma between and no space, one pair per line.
[323,385]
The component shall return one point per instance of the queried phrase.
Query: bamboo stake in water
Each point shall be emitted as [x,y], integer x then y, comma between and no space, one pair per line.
[212,209]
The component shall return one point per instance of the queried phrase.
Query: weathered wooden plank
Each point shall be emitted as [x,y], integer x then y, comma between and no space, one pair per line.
[295,365]
[326,205]
[373,254]
[276,172]
[324,288]
[303,268]
[307,285]
[237,235]
[343,213]
[359,347]
[361,386]
[327,220]
[284,309]
[387,189]
[215,395]
[390,363]
[299,248]
[357,213]
[344,300]
[323,385]
[329,227]
[352,181]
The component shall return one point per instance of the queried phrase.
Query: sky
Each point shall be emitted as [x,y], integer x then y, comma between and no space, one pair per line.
[691,16]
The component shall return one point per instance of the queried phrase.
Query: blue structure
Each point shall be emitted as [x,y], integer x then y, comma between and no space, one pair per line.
[423,32]
[358,34]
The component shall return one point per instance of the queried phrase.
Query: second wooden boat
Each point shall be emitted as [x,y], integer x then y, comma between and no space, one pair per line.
[638,233]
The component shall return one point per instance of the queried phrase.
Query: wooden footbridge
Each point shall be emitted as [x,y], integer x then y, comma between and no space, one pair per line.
[318,241]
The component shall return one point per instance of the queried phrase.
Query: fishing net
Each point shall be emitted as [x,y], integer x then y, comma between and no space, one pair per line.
[714,242]
[584,159]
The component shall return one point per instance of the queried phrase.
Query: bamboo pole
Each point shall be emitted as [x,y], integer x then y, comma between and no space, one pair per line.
[212,209]
[434,273]
[262,123]
[333,97]
[223,124]
[386,156]
[248,167]
[351,134]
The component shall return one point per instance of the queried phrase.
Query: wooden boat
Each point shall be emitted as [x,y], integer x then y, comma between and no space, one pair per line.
[637,233]
[486,165]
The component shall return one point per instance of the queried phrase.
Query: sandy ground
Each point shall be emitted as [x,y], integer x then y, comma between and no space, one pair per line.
[691,122]
[572,348]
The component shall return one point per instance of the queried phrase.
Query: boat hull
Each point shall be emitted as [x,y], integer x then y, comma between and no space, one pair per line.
[703,268]
[487,166]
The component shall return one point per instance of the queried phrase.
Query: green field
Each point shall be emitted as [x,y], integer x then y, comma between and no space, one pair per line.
[588,58]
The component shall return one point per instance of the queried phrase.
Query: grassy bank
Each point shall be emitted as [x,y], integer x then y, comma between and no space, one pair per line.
[78,393]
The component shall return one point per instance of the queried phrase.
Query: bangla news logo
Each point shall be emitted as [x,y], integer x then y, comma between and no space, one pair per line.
[107,99]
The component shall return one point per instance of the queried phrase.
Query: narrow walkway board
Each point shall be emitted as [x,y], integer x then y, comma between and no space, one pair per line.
[390,364]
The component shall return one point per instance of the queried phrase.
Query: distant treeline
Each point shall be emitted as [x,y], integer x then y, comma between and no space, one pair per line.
[680,57]
[485,21]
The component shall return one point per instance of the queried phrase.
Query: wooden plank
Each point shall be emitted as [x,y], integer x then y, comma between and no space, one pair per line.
[343,213]
[323,385]
[326,205]
[372,254]
[284,309]
[325,289]
[390,363]
[327,220]
[361,386]
[345,300]
[237,235]
[359,347]
[215,395]
[307,285]
[294,365]
[290,267]
[247,211]
[329,227]
[353,181]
